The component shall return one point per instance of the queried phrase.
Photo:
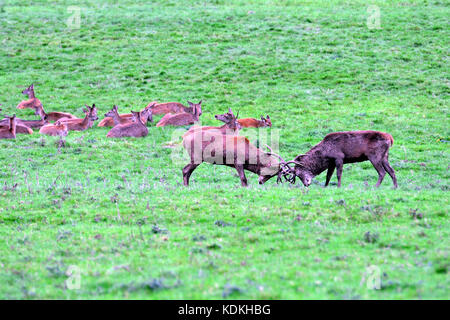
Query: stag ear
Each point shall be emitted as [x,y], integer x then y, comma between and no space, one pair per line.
[267,116]
[262,118]
[200,102]
[190,103]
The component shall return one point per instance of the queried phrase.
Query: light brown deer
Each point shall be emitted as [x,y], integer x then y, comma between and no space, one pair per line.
[56,129]
[5,124]
[253,123]
[231,125]
[181,119]
[10,131]
[35,104]
[82,124]
[233,151]
[176,107]
[135,129]
[113,118]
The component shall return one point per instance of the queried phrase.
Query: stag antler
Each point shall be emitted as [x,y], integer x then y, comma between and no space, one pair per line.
[285,170]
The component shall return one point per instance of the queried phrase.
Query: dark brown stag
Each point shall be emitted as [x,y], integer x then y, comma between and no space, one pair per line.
[339,148]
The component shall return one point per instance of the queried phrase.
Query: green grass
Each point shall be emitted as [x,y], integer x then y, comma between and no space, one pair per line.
[117,209]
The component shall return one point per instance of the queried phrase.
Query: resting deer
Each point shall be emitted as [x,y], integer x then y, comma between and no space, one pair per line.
[82,124]
[176,107]
[10,131]
[181,119]
[5,124]
[35,104]
[233,151]
[113,118]
[339,148]
[253,123]
[56,129]
[231,125]
[135,129]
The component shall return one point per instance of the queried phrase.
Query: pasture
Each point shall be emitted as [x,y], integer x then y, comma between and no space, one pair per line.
[115,211]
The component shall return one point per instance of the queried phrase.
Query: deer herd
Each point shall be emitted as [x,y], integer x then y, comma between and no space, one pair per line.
[216,145]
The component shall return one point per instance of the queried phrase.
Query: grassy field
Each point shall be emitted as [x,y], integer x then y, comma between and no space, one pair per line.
[115,211]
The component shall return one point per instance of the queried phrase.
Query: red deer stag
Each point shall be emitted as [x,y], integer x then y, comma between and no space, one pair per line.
[253,123]
[233,151]
[181,119]
[135,129]
[113,118]
[339,148]
[35,104]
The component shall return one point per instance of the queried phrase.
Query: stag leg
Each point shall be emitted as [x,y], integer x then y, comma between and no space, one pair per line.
[389,170]
[378,164]
[240,170]
[339,163]
[187,171]
[330,171]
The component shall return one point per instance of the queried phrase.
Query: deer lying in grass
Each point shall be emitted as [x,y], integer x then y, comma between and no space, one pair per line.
[135,129]
[82,124]
[181,119]
[5,124]
[175,107]
[10,131]
[339,148]
[56,129]
[253,123]
[113,118]
[231,125]
[233,151]
[35,104]
[26,123]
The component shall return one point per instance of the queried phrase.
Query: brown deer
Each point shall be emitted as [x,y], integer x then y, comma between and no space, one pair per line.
[10,131]
[82,124]
[113,118]
[233,151]
[135,129]
[339,148]
[26,123]
[176,107]
[253,123]
[57,129]
[5,124]
[181,119]
[35,104]
[231,125]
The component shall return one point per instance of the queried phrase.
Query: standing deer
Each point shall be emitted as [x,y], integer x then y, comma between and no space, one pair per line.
[10,131]
[82,124]
[35,104]
[231,125]
[181,119]
[233,151]
[176,107]
[253,123]
[339,148]
[134,129]
[113,118]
